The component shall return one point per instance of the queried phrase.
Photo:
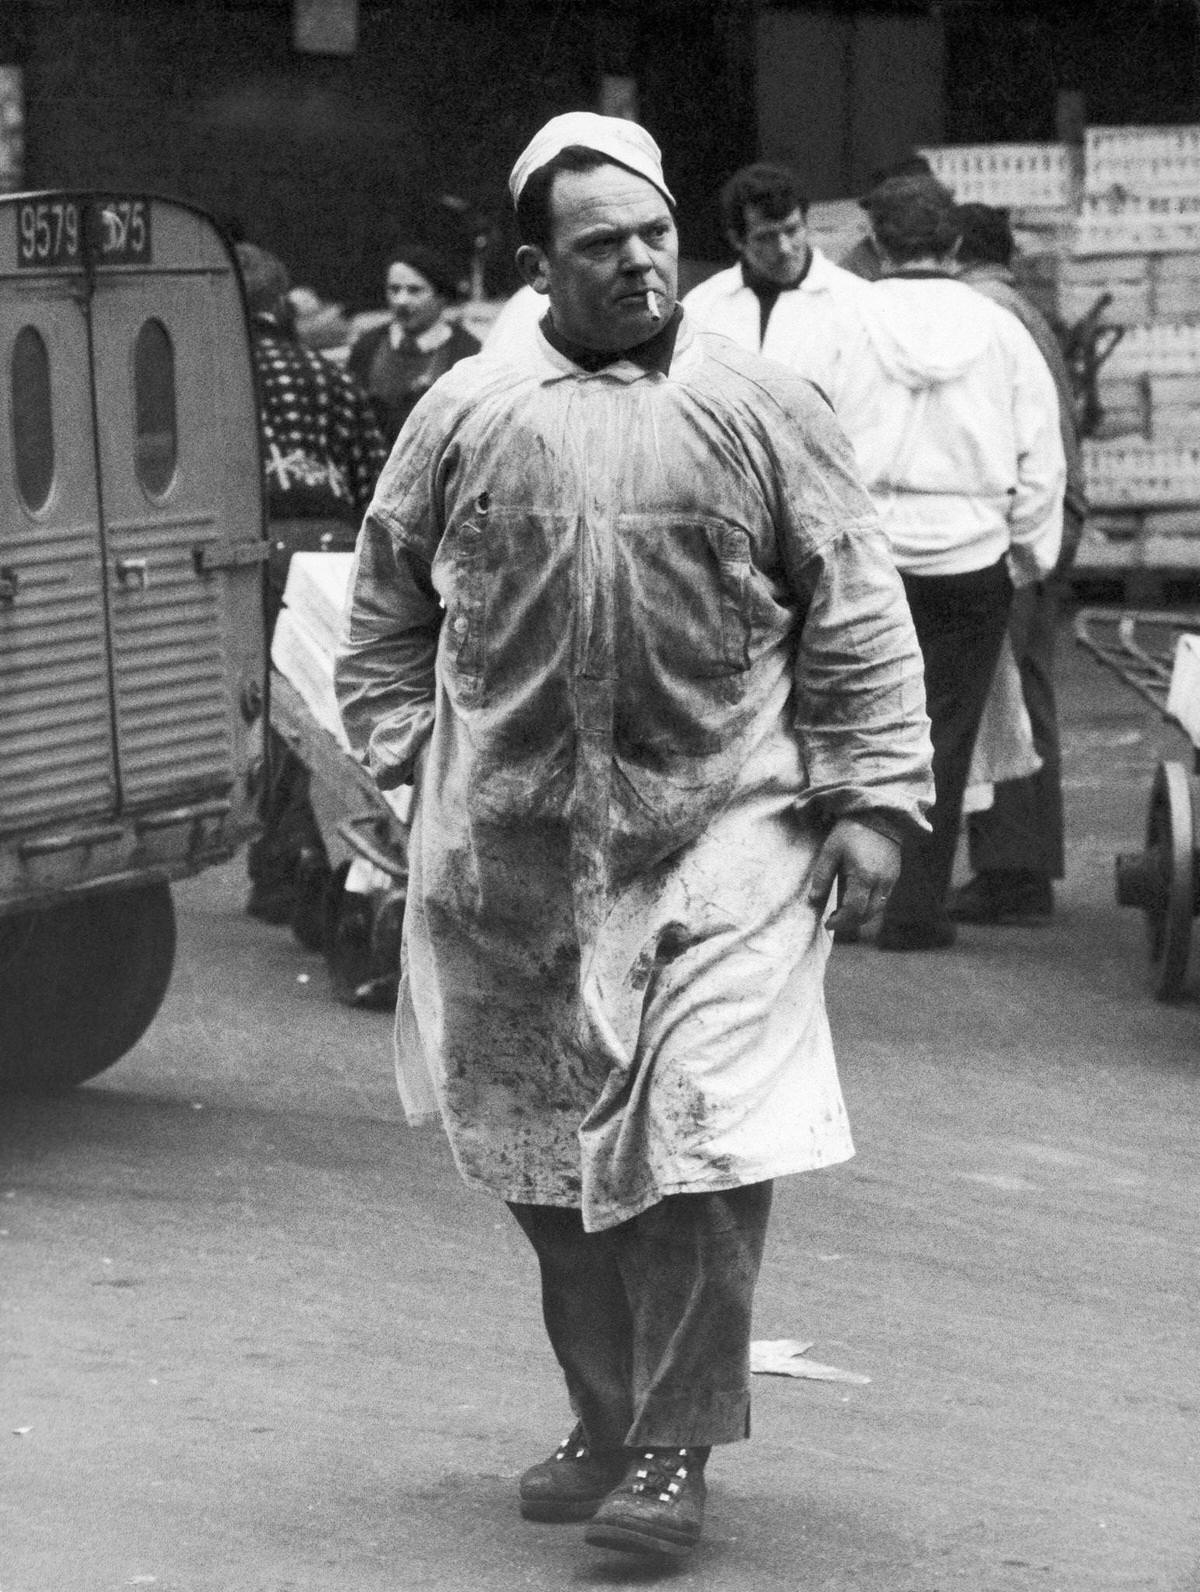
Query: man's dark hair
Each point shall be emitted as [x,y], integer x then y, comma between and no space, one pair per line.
[771,189]
[534,222]
[986,235]
[912,217]
[910,165]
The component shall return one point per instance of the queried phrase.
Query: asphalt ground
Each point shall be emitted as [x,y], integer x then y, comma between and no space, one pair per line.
[257,1337]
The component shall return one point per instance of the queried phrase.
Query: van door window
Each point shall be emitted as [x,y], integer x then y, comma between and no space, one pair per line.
[32,420]
[156,444]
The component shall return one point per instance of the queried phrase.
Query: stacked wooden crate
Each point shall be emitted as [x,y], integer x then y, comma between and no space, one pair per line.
[1111,234]
[1136,245]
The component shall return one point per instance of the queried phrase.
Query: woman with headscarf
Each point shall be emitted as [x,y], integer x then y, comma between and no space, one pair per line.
[399,361]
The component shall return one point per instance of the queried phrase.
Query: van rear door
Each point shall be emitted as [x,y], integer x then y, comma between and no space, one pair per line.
[132,661]
[175,434]
[56,744]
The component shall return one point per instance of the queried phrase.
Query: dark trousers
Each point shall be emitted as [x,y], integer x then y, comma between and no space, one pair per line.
[960,622]
[1023,830]
[650,1320]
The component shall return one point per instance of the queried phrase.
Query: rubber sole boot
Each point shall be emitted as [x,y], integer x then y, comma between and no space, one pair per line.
[1003,897]
[658,1509]
[573,1482]
[937,935]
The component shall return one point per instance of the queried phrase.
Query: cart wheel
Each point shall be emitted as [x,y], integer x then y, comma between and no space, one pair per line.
[362,945]
[313,884]
[1161,880]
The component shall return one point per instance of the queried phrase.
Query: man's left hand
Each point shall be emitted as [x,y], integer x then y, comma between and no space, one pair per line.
[866,865]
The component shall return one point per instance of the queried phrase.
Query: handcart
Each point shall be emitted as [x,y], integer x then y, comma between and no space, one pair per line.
[351,898]
[1157,654]
[352,875]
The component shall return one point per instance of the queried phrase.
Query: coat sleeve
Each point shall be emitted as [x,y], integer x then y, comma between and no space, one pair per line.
[859,700]
[384,666]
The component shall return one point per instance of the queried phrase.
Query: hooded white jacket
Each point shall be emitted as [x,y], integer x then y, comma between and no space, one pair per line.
[954,420]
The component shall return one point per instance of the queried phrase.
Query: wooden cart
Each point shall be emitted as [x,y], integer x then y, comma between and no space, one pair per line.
[356,929]
[1157,654]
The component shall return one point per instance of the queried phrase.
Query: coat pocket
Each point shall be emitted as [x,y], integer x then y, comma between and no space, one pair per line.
[730,547]
[466,607]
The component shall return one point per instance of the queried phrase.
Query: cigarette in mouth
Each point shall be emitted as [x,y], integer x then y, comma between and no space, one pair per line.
[652,304]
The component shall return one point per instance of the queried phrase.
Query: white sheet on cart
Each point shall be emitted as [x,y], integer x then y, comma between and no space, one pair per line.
[302,647]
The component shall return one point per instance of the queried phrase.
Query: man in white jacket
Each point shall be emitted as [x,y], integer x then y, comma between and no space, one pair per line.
[954,419]
[783,299]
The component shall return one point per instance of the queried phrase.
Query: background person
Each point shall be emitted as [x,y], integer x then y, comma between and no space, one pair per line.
[954,419]
[861,259]
[783,298]
[1016,846]
[670,690]
[322,453]
[398,362]
[515,325]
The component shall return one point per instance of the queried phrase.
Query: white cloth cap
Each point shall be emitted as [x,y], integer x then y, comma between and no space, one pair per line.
[624,142]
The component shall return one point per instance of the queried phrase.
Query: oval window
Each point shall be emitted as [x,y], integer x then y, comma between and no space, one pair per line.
[32,421]
[156,443]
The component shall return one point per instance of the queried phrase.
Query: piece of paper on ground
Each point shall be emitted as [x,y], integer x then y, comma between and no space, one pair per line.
[789,1357]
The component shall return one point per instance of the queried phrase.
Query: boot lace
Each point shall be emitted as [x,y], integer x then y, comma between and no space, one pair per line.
[574,1445]
[662,1471]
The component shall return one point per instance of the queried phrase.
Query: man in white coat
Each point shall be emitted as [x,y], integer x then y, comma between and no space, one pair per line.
[783,299]
[954,419]
[624,613]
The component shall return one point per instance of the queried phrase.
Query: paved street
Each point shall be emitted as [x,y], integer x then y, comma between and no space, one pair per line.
[258,1338]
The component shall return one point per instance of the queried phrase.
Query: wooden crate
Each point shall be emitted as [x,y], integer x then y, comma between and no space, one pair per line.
[1142,161]
[1120,223]
[1029,176]
[1138,474]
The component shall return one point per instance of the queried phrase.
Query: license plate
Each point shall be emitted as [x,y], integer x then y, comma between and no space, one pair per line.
[56,233]
[49,233]
[122,232]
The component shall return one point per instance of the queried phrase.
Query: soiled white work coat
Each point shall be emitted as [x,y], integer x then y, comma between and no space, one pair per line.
[641,640]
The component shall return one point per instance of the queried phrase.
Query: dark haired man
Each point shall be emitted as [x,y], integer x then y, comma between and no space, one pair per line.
[954,419]
[783,298]
[624,613]
[1016,845]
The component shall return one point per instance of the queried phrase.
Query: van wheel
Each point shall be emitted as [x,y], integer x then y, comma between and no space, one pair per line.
[79,985]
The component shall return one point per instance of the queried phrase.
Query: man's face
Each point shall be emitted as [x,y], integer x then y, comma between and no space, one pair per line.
[774,250]
[414,302]
[613,244]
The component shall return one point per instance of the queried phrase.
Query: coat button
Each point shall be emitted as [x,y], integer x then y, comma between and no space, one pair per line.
[460,625]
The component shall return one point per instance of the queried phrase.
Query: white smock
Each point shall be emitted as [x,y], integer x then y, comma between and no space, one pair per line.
[640,640]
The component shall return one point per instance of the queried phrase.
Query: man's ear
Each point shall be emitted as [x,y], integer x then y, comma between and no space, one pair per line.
[534,267]
[734,239]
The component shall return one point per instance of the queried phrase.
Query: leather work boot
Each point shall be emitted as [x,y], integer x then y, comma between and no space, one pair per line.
[934,934]
[1003,896]
[658,1507]
[572,1483]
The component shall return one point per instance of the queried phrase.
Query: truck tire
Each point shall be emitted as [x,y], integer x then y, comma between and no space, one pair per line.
[79,985]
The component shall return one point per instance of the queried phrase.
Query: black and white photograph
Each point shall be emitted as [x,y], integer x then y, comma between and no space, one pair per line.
[600,795]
